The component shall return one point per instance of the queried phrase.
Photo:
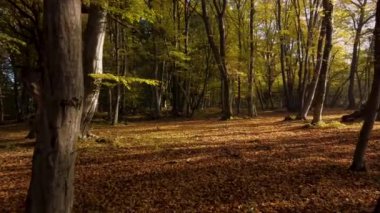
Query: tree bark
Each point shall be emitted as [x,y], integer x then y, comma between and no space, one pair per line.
[251,74]
[355,54]
[353,70]
[51,188]
[372,107]
[92,63]
[322,82]
[117,39]
[157,90]
[308,100]
[311,22]
[220,53]
[282,56]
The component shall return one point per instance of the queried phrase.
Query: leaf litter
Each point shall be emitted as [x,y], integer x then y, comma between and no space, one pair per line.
[242,165]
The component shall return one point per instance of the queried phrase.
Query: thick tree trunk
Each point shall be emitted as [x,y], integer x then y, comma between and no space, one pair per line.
[51,188]
[358,163]
[322,82]
[92,63]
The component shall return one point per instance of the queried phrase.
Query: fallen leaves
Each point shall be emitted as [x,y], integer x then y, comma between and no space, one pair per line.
[245,165]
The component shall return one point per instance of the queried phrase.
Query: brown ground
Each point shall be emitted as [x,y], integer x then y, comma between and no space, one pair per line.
[259,165]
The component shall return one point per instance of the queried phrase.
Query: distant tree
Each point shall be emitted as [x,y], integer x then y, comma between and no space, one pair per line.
[51,188]
[372,107]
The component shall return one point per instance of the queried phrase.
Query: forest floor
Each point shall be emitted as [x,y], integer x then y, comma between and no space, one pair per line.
[243,165]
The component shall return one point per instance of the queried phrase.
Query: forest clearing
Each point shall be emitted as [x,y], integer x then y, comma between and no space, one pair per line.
[248,165]
[189,106]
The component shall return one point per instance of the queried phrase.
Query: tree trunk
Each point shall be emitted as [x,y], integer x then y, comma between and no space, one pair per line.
[51,188]
[358,24]
[219,53]
[92,63]
[251,74]
[372,107]
[353,70]
[115,118]
[240,20]
[311,24]
[322,82]
[157,89]
[282,57]
[1,107]
[16,93]
[308,100]
[110,105]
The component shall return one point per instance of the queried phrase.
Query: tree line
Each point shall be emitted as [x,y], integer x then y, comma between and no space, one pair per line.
[240,56]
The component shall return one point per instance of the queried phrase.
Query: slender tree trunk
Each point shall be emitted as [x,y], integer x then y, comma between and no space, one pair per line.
[353,70]
[282,55]
[175,88]
[110,105]
[240,20]
[300,49]
[187,83]
[115,119]
[311,24]
[314,82]
[51,188]
[125,71]
[372,106]
[16,95]
[157,90]
[251,74]
[92,63]
[322,82]
[220,53]
[358,24]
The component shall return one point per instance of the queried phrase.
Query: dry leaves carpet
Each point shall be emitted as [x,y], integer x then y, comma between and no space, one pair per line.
[242,165]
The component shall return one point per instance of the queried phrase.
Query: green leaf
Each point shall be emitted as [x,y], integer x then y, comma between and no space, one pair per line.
[113,80]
